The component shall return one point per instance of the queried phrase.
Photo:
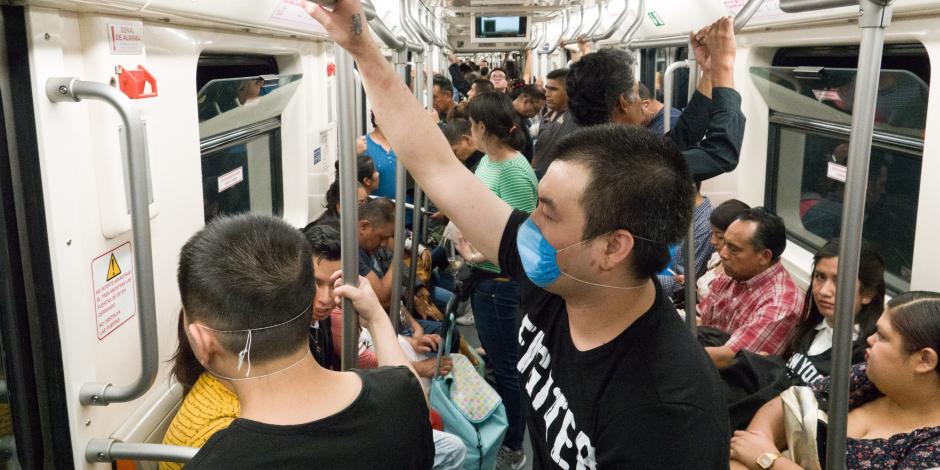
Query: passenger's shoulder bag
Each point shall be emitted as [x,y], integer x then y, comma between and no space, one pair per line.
[469,407]
[802,421]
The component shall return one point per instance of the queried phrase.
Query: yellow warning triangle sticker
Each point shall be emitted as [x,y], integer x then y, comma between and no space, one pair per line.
[113,269]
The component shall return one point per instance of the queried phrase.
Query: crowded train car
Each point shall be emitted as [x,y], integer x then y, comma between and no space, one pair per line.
[469,234]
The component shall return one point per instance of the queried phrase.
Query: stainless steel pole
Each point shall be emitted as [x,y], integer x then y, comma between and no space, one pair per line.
[875,17]
[668,85]
[349,218]
[399,251]
[691,270]
[415,233]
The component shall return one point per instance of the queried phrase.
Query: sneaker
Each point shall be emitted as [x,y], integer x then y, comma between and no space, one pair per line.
[509,459]
[466,320]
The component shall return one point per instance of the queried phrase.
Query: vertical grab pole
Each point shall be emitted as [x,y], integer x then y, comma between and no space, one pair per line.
[691,269]
[415,243]
[668,82]
[398,253]
[349,218]
[875,17]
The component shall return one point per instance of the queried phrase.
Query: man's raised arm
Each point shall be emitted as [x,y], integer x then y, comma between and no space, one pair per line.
[416,139]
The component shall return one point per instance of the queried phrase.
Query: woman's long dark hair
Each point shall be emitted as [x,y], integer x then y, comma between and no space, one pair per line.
[495,111]
[871,270]
[186,368]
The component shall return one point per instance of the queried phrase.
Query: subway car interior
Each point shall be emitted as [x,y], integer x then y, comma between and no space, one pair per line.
[131,128]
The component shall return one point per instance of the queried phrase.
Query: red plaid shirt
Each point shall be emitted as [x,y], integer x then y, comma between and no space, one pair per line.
[759,313]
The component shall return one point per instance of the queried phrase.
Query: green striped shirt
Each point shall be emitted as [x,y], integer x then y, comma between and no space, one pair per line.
[513,181]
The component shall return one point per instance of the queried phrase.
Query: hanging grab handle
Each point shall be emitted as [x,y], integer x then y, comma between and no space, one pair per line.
[72,89]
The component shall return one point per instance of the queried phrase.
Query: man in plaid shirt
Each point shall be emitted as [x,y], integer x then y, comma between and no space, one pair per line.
[754,300]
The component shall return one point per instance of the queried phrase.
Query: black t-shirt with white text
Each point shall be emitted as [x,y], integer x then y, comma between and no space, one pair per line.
[650,398]
[386,426]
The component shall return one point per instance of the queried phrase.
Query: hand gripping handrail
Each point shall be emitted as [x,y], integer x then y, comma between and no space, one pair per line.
[564,31]
[61,89]
[668,80]
[109,450]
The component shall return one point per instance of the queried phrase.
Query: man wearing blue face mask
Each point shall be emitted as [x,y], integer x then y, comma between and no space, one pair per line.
[610,374]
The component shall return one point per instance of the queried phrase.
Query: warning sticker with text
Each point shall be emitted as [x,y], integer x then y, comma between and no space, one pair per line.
[126,39]
[115,298]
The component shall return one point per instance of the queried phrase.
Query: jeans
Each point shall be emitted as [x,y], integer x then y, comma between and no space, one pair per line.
[495,303]
[449,451]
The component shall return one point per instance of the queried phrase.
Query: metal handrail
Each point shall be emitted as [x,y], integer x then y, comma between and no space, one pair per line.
[745,14]
[668,78]
[573,38]
[564,30]
[416,231]
[637,22]
[615,26]
[72,89]
[668,41]
[590,32]
[799,6]
[385,34]
[349,220]
[398,251]
[874,19]
[109,450]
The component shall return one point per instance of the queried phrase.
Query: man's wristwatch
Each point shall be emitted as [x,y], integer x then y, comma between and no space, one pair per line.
[767,459]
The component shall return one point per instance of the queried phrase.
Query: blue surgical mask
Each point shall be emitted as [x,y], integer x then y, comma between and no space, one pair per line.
[539,258]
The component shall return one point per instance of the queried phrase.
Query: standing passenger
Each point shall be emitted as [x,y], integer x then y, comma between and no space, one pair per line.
[495,298]
[375,145]
[443,96]
[246,283]
[498,78]
[556,124]
[612,377]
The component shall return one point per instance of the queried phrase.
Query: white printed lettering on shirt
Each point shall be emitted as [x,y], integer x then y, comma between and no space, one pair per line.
[549,401]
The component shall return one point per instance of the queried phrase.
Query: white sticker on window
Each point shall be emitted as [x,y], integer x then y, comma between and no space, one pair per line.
[231,179]
[126,38]
[836,172]
[115,298]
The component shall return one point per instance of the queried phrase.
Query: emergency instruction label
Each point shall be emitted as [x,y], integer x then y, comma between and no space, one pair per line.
[114,293]
[126,38]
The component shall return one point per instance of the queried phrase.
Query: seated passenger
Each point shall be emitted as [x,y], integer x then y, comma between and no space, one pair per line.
[331,215]
[246,283]
[721,218]
[376,228]
[810,351]
[894,399]
[711,129]
[461,142]
[754,300]
[703,250]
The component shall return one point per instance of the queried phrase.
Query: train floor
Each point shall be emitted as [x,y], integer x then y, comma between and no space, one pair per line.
[469,333]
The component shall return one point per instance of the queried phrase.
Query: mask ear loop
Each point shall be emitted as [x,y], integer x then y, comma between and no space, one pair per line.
[245,352]
[638,286]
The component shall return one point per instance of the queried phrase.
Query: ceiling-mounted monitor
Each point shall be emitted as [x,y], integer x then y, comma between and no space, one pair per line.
[500,29]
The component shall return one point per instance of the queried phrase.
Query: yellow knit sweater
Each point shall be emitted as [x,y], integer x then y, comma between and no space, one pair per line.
[207,408]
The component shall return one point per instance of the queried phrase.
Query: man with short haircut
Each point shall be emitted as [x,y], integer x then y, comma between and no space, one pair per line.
[602,88]
[246,283]
[611,375]
[480,86]
[646,111]
[459,136]
[527,103]
[443,96]
[499,79]
[376,228]
[556,124]
[754,300]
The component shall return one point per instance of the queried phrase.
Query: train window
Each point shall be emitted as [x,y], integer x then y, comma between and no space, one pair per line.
[653,63]
[240,136]
[810,125]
